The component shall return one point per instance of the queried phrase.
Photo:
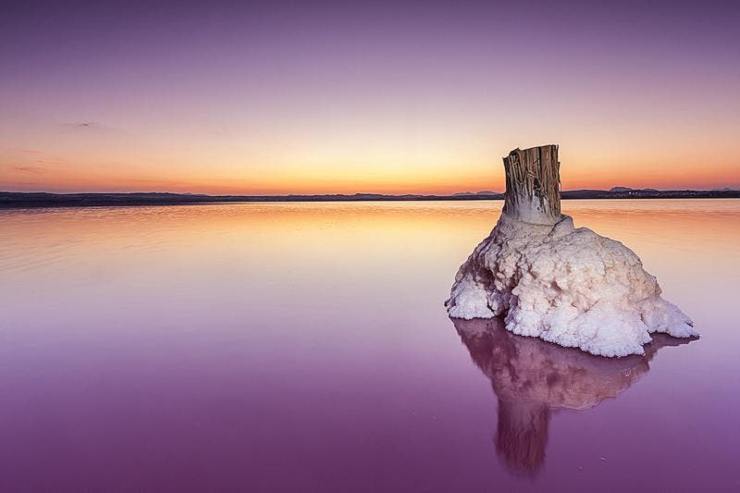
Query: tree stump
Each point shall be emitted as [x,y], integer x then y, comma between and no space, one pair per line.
[551,280]
[533,185]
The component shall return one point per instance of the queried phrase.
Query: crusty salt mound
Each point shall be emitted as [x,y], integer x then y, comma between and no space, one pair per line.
[563,284]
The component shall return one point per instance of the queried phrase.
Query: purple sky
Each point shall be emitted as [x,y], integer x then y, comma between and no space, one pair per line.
[399,96]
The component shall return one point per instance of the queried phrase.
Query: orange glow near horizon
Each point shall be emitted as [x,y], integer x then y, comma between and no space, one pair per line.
[32,174]
[359,148]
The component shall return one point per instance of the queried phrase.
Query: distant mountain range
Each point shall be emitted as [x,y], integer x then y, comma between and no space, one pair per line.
[43,199]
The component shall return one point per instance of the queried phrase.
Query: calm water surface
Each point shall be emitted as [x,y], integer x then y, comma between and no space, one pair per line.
[304,347]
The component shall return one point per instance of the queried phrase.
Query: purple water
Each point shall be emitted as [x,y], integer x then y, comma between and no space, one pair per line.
[304,347]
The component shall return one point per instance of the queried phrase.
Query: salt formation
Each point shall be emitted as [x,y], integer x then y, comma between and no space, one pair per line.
[532,378]
[563,284]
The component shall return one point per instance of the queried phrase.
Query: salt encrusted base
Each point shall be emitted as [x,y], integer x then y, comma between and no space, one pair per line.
[568,286]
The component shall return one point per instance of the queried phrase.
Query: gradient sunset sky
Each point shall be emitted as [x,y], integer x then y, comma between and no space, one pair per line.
[345,97]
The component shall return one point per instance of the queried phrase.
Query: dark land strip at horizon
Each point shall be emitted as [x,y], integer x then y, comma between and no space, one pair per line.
[18,200]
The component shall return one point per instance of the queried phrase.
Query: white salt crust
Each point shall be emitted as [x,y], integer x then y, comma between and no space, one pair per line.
[568,286]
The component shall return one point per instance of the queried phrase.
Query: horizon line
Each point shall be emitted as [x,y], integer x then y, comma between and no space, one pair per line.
[349,194]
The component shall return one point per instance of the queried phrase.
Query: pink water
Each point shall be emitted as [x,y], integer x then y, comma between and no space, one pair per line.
[304,347]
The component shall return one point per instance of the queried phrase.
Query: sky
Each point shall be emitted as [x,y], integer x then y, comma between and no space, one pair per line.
[347,97]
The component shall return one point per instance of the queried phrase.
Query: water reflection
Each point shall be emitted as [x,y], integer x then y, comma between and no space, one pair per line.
[531,378]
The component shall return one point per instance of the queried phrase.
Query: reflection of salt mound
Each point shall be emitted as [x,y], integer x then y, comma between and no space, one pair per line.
[565,285]
[531,378]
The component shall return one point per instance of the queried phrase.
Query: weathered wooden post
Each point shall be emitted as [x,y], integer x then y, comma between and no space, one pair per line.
[551,280]
[533,185]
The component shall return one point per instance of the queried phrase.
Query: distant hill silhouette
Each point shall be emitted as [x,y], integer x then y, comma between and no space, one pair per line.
[44,199]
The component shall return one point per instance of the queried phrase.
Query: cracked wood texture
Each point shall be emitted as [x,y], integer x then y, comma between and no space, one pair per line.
[533,185]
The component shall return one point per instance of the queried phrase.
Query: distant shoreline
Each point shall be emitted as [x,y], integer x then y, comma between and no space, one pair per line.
[24,200]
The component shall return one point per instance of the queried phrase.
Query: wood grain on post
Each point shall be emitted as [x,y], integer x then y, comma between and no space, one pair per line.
[533,185]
